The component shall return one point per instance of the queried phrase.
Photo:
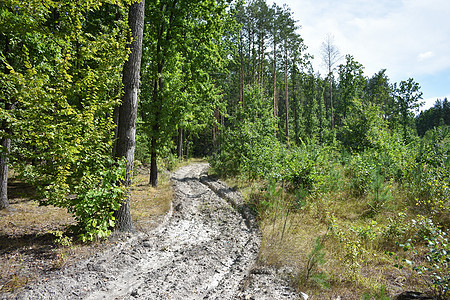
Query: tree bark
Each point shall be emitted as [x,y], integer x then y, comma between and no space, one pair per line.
[4,160]
[331,103]
[275,110]
[294,100]
[241,71]
[126,137]
[180,143]
[153,164]
[286,92]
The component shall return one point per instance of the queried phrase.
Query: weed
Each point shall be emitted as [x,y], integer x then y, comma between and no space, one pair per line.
[61,239]
[380,294]
[316,258]
[381,192]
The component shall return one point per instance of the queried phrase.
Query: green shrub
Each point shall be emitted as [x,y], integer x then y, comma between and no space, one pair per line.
[435,270]
[360,172]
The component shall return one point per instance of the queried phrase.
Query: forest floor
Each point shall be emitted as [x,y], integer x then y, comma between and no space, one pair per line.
[203,244]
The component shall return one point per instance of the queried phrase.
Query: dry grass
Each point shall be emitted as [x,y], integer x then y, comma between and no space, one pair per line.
[372,274]
[149,204]
[28,251]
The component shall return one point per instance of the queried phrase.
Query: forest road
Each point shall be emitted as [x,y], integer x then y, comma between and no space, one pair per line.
[206,249]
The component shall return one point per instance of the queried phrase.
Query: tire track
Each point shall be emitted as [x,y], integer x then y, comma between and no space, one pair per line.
[205,250]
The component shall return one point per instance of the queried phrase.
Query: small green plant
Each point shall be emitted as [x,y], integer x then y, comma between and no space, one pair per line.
[380,294]
[366,233]
[61,239]
[353,247]
[395,228]
[381,192]
[316,258]
[64,242]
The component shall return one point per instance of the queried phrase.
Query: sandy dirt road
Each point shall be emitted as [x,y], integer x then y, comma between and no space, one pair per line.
[205,249]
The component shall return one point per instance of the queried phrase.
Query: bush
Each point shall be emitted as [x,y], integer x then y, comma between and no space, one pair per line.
[360,171]
[429,178]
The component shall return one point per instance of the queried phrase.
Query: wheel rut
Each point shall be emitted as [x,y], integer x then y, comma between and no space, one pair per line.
[206,249]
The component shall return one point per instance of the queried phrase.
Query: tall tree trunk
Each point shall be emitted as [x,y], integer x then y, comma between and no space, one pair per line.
[180,143]
[331,103]
[275,108]
[186,141]
[161,52]
[214,128]
[286,86]
[294,99]
[155,128]
[126,138]
[241,70]
[261,68]
[6,145]
[153,164]
[253,57]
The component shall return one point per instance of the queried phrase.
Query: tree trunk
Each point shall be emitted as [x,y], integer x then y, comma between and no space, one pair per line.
[241,71]
[180,143]
[155,128]
[275,110]
[126,137]
[4,160]
[286,99]
[331,103]
[153,164]
[294,99]
[186,141]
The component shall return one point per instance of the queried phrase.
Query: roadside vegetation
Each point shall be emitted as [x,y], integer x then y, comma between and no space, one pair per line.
[364,223]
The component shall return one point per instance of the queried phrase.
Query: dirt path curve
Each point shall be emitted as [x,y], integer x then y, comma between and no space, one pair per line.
[206,249]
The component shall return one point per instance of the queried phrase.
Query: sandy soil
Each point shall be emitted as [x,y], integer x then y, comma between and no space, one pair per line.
[206,248]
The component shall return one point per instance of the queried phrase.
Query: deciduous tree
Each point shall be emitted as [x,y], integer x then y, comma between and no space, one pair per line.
[407,96]
[182,47]
[126,133]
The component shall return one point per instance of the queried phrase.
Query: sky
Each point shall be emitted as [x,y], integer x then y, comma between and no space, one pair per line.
[408,38]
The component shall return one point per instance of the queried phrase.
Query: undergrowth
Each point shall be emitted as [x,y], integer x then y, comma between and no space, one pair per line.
[359,225]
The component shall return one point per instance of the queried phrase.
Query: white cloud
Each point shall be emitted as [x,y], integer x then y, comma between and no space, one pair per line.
[407,37]
[429,102]
[425,55]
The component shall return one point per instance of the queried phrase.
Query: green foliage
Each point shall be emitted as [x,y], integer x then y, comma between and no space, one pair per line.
[429,179]
[248,146]
[435,270]
[182,46]
[363,128]
[361,172]
[438,115]
[351,85]
[61,239]
[407,96]
[438,257]
[61,65]
[380,191]
[353,248]
[395,229]
[98,196]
